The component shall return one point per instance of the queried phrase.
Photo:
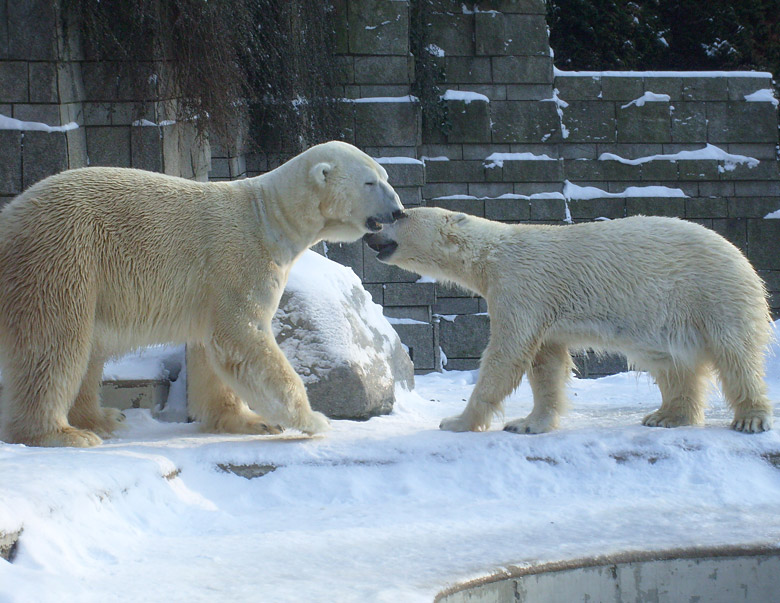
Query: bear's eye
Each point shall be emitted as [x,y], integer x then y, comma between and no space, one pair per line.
[373,183]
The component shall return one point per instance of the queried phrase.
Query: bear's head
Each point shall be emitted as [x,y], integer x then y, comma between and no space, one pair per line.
[425,240]
[355,197]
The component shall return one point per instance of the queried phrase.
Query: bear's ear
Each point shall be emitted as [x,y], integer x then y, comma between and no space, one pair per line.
[459,218]
[319,173]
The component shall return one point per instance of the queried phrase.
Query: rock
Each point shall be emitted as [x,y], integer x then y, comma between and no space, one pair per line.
[339,342]
[8,542]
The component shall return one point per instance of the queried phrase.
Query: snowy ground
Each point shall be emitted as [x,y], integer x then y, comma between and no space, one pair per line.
[387,510]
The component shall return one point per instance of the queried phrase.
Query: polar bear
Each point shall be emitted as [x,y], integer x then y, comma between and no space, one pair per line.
[673,296]
[97,261]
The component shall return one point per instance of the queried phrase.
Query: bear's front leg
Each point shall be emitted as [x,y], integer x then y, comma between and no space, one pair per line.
[499,375]
[250,362]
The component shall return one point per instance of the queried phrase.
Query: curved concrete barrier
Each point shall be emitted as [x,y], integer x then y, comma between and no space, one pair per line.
[714,575]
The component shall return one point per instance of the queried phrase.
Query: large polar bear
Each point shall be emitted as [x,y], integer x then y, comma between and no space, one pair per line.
[675,297]
[96,261]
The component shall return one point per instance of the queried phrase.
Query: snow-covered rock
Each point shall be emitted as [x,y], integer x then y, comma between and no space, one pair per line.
[339,342]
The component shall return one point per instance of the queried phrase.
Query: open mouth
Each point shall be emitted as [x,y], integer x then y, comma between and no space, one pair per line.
[373,224]
[383,247]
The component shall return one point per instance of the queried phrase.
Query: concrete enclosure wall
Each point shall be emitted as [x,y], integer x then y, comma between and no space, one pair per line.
[559,133]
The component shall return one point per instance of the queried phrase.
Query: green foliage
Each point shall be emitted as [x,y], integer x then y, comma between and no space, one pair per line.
[222,60]
[666,34]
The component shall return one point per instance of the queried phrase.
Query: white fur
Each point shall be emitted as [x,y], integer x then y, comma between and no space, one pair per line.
[97,261]
[673,296]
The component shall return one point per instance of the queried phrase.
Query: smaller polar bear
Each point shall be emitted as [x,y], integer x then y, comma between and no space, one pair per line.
[673,296]
[97,261]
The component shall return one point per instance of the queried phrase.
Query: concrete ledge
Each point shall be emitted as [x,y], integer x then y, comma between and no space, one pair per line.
[717,574]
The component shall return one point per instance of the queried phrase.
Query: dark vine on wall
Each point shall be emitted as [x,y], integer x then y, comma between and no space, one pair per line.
[226,62]
[428,67]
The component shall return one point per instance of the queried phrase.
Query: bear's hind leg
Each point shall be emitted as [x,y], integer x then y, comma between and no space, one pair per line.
[741,377]
[548,375]
[86,412]
[214,404]
[37,394]
[682,396]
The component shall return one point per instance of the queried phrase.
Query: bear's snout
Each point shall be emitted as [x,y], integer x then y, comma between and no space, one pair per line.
[381,243]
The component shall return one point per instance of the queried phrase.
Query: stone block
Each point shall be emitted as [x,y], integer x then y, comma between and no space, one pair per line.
[765,170]
[466,336]
[468,70]
[548,210]
[655,206]
[453,33]
[522,69]
[689,122]
[43,154]
[590,365]
[702,208]
[533,171]
[383,70]
[475,207]
[579,169]
[659,171]
[10,162]
[763,237]
[13,81]
[501,34]
[573,88]
[77,148]
[733,230]
[716,189]
[411,173]
[752,188]
[508,210]
[379,27]
[648,123]
[146,148]
[32,30]
[469,121]
[347,254]
[579,151]
[409,294]
[483,190]
[109,146]
[151,394]
[752,207]
[375,271]
[759,151]
[544,189]
[622,89]
[741,122]
[705,89]
[448,306]
[535,92]
[665,85]
[444,189]
[526,7]
[418,338]
[590,121]
[418,313]
[43,83]
[387,124]
[48,114]
[451,290]
[410,196]
[739,87]
[455,171]
[698,169]
[590,209]
[618,171]
[525,121]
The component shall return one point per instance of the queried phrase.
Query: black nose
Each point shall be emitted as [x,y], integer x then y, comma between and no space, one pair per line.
[398,214]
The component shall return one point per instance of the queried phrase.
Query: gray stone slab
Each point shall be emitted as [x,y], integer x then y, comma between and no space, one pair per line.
[444,189]
[752,207]
[419,313]
[525,121]
[672,86]
[32,30]
[733,230]
[739,87]
[528,92]
[387,124]
[405,174]
[347,254]
[43,82]
[456,305]
[455,171]
[590,121]
[689,122]
[469,121]
[453,33]
[475,207]
[383,70]
[622,89]
[109,146]
[533,171]
[379,27]
[763,238]
[655,171]
[146,149]
[482,190]
[418,338]
[522,69]
[573,88]
[706,207]
[501,34]
[765,170]
[698,169]
[48,114]
[741,122]
[655,206]
[10,162]
[590,209]
[375,271]
[508,210]
[469,70]
[648,123]
[528,7]
[43,154]
[705,89]
[13,81]
[466,336]
[553,210]
[409,294]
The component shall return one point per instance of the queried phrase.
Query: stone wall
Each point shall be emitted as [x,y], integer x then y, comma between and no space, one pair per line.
[76,111]
[577,146]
